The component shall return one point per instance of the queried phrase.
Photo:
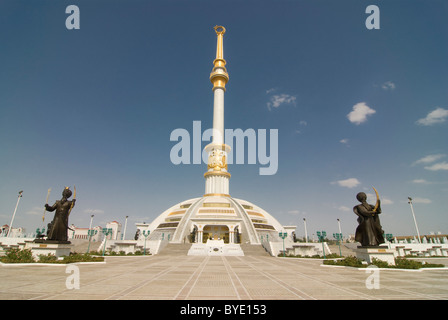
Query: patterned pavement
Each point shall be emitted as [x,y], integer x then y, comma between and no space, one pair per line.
[217,278]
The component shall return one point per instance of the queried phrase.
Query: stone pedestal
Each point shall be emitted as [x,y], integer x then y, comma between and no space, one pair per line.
[380,253]
[45,247]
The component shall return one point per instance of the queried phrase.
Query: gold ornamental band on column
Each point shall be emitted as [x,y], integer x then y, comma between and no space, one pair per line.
[219,76]
[217,173]
[216,195]
[217,158]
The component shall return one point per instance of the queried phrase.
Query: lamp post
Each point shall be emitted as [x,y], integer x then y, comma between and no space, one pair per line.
[91,233]
[283,236]
[124,232]
[389,237]
[146,235]
[321,235]
[306,233]
[39,233]
[415,221]
[339,226]
[106,232]
[338,237]
[91,219]
[14,214]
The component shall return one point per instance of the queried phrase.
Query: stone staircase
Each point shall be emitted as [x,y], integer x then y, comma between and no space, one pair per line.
[181,249]
[345,250]
[80,246]
[254,250]
[175,249]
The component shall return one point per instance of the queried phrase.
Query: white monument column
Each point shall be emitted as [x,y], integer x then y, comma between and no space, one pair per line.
[218,116]
[217,177]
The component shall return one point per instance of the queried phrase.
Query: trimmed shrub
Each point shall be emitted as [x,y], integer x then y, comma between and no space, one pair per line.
[18,256]
[400,263]
[49,258]
[81,257]
[349,261]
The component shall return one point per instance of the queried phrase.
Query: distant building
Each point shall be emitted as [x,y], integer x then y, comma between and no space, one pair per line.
[4,230]
[82,233]
[116,230]
[423,238]
[15,232]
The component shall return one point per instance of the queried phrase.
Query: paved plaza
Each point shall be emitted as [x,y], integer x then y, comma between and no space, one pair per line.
[217,278]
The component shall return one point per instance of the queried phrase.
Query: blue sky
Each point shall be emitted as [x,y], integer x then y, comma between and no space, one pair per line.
[354,108]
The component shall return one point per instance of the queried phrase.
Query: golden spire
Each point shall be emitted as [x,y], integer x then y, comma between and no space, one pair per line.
[219,75]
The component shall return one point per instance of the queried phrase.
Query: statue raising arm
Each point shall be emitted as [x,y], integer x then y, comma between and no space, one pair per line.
[51,208]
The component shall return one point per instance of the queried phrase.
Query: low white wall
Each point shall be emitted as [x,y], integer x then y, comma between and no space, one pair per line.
[419,249]
[12,241]
[274,248]
[152,246]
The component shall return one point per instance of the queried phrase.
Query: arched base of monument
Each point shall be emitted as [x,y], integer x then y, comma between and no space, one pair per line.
[376,252]
[46,247]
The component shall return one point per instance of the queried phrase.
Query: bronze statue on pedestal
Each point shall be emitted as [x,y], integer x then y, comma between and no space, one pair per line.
[57,229]
[369,231]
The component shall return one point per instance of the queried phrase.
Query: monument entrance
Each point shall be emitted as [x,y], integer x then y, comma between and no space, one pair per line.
[216,232]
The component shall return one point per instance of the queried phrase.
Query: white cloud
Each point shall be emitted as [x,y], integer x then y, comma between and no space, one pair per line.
[372,198]
[344,141]
[435,167]
[359,113]
[420,181]
[279,99]
[344,209]
[438,166]
[94,211]
[421,200]
[348,183]
[36,211]
[302,123]
[388,85]
[438,115]
[429,158]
